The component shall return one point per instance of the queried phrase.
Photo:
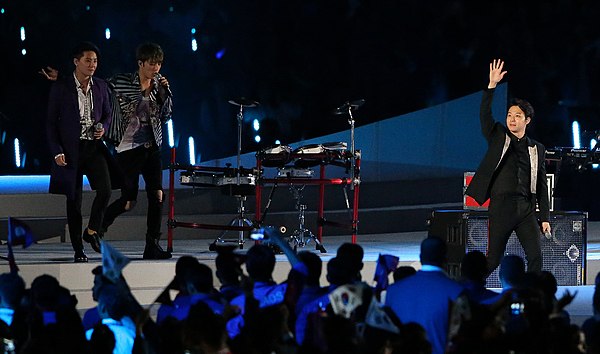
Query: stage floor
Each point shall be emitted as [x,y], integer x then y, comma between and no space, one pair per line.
[148,278]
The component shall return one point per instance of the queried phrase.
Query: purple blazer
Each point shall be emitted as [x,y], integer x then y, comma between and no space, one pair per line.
[63,129]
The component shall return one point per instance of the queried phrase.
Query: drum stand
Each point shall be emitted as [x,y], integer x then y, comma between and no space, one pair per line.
[302,236]
[240,220]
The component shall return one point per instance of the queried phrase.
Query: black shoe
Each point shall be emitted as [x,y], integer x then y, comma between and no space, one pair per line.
[80,257]
[93,240]
[154,251]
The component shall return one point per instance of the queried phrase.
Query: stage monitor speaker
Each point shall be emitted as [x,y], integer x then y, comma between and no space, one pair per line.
[564,254]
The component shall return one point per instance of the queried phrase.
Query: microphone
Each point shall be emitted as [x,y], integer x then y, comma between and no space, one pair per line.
[158,76]
[548,235]
[98,127]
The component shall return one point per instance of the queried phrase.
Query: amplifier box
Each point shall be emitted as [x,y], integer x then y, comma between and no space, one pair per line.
[564,254]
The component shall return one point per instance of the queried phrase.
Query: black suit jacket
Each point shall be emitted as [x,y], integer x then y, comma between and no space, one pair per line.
[497,136]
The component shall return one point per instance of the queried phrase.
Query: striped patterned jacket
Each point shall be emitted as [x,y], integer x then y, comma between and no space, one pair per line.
[126,95]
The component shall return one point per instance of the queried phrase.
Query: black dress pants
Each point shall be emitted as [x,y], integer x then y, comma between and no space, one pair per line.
[91,163]
[510,213]
[143,161]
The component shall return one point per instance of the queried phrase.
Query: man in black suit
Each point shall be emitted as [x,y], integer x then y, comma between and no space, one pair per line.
[512,174]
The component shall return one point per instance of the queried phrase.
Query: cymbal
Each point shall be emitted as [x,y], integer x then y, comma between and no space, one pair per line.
[349,105]
[244,102]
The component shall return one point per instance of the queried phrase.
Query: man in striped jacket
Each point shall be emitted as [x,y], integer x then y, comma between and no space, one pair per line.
[142,104]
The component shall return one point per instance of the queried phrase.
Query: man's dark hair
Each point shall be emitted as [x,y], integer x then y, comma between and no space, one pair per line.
[314,265]
[433,251]
[338,273]
[403,272]
[82,47]
[474,266]
[525,106]
[260,262]
[149,51]
[351,255]
[199,277]
[12,288]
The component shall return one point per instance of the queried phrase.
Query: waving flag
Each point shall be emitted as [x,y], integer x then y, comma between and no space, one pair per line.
[113,262]
[386,264]
[19,233]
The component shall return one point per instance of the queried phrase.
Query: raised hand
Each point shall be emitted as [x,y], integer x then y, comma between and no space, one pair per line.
[49,73]
[496,73]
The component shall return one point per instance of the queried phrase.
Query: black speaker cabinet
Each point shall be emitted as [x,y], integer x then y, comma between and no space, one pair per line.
[564,254]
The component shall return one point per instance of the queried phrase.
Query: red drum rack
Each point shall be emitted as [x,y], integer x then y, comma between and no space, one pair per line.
[172,223]
[344,159]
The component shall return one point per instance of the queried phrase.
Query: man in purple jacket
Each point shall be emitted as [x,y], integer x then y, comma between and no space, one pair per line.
[79,112]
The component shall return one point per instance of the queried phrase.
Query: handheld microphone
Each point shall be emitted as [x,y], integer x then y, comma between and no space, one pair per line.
[98,127]
[158,76]
[548,235]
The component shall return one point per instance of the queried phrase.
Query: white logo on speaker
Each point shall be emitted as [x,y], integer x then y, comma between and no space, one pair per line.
[572,253]
[577,226]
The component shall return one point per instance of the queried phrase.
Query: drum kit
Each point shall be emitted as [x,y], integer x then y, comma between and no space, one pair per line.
[293,166]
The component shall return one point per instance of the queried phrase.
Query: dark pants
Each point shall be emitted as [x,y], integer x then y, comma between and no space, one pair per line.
[508,214]
[145,161]
[92,163]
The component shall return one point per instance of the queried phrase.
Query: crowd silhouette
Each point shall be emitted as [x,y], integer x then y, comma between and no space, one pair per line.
[422,312]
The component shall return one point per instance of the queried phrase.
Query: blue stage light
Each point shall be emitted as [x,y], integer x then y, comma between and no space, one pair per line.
[592,144]
[194,44]
[87,7]
[192,150]
[2,11]
[257,138]
[22,34]
[277,142]
[220,53]
[107,33]
[17,153]
[23,51]
[170,133]
[193,31]
[576,135]
[256,124]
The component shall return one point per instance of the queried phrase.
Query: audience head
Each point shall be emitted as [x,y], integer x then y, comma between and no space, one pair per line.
[229,265]
[184,265]
[433,251]
[260,263]
[314,265]
[474,267]
[203,331]
[338,274]
[403,272]
[198,280]
[12,288]
[47,294]
[351,255]
[512,271]
[102,340]
[111,304]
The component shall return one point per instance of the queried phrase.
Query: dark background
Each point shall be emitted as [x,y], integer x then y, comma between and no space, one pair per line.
[301,59]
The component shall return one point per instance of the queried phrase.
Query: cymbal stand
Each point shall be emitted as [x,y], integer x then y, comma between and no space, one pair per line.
[302,236]
[240,219]
[352,159]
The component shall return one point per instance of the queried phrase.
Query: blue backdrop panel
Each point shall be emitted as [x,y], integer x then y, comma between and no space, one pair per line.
[439,141]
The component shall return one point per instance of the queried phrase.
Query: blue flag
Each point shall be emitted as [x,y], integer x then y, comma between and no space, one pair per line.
[113,262]
[386,264]
[18,234]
